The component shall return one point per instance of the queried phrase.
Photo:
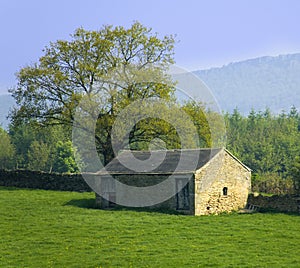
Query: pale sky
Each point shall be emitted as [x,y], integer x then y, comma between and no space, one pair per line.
[211,33]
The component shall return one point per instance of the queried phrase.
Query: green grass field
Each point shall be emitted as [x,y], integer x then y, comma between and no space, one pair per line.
[60,229]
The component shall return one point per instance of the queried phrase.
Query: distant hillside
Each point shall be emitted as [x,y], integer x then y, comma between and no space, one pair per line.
[6,102]
[272,82]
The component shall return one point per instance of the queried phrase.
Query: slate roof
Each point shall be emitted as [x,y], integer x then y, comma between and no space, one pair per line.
[160,162]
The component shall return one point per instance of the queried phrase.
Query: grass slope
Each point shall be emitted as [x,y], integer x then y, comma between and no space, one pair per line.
[56,229]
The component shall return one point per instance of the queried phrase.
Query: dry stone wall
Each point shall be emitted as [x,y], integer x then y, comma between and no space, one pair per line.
[222,185]
[145,180]
[42,180]
[280,203]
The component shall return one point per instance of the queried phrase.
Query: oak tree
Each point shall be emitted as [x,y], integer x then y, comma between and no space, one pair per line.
[114,63]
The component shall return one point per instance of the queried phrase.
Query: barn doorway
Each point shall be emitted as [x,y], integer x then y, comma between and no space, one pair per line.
[182,194]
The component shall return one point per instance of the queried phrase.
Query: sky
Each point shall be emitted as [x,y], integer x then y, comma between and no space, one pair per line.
[209,33]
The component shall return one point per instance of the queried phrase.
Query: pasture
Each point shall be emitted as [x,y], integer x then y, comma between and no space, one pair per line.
[62,229]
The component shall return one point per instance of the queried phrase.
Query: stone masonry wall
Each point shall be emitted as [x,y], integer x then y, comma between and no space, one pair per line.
[222,171]
[166,187]
[280,203]
[42,180]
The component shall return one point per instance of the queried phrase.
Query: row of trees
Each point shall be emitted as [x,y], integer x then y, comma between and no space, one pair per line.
[269,144]
[49,147]
[44,149]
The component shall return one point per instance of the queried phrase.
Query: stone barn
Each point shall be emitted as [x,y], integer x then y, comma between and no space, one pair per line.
[213,183]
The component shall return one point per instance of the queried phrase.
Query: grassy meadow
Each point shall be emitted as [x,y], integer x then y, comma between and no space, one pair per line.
[61,229]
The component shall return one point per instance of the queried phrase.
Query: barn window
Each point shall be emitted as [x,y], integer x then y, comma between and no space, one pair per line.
[225,191]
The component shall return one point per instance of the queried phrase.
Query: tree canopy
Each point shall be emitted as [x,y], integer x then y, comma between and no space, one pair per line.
[269,145]
[112,63]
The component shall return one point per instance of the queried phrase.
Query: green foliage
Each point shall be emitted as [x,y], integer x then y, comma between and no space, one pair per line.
[38,156]
[296,173]
[165,125]
[268,144]
[36,145]
[196,112]
[7,151]
[111,68]
[272,183]
[43,148]
[59,229]
[116,65]
[64,159]
[22,136]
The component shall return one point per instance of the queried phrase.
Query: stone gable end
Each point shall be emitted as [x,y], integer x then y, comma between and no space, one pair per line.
[222,185]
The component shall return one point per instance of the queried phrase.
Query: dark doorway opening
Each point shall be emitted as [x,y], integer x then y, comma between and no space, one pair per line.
[182,194]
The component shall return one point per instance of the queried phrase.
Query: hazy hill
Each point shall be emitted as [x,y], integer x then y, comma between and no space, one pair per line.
[272,82]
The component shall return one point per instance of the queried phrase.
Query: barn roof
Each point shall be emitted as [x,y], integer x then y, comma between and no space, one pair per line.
[160,162]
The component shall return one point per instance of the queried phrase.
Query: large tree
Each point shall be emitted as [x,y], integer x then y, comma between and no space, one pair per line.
[116,66]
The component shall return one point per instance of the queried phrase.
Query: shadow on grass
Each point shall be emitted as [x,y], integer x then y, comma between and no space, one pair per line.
[89,203]
[82,203]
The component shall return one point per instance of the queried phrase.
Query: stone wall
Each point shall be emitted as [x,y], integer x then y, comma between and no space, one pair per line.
[280,203]
[222,185]
[42,180]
